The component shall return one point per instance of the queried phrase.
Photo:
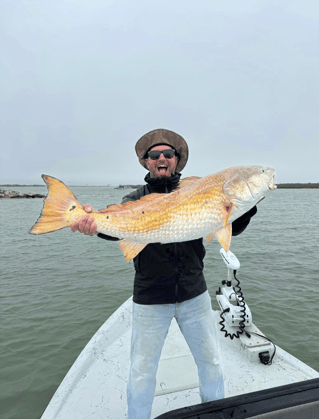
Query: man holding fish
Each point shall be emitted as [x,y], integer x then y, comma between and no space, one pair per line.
[169,281]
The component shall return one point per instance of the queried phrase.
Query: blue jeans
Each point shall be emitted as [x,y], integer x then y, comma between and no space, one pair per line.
[149,330]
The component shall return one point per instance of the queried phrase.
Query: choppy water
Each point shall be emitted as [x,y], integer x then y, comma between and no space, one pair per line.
[58,289]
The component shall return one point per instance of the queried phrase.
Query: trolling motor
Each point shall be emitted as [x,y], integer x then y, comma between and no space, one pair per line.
[236,313]
[234,309]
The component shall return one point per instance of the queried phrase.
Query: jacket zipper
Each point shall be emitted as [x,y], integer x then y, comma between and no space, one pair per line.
[176,271]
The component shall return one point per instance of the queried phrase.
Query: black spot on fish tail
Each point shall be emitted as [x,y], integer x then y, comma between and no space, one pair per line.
[73,207]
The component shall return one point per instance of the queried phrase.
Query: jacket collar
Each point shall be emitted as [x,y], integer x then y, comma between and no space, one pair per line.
[163,184]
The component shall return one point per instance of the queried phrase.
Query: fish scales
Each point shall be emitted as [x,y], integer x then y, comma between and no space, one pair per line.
[172,217]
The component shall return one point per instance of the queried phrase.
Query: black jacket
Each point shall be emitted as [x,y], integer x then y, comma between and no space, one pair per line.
[172,272]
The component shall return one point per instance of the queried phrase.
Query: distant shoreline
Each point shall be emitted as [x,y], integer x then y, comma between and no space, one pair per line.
[298,185]
[279,186]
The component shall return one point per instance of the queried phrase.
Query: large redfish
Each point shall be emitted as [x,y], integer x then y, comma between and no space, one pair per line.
[200,207]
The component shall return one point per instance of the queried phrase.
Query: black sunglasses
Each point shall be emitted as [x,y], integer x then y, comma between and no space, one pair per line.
[155,154]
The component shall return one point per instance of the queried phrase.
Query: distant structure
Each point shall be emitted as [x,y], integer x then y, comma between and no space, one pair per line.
[128,186]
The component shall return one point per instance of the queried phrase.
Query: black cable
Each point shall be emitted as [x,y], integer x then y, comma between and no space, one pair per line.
[242,304]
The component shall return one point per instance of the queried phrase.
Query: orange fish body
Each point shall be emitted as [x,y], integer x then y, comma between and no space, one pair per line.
[201,207]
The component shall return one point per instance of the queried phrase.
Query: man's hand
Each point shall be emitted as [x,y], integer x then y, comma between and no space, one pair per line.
[87,224]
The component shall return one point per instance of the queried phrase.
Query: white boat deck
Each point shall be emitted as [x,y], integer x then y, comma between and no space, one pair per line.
[95,386]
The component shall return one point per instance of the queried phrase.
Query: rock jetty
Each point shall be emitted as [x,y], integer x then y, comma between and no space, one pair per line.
[4,193]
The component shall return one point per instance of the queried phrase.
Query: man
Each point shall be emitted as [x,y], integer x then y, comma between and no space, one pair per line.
[169,282]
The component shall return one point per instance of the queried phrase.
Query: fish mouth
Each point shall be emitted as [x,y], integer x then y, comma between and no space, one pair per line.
[271,184]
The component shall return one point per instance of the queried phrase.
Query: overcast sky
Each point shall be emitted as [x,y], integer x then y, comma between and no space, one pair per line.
[82,81]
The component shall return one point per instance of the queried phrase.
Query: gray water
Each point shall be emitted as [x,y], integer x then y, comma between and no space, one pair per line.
[58,289]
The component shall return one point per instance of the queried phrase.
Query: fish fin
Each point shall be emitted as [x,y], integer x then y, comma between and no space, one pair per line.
[209,237]
[228,208]
[223,232]
[260,200]
[58,205]
[188,181]
[131,250]
[223,235]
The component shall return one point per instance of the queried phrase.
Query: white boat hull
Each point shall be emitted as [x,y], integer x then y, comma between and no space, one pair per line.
[95,386]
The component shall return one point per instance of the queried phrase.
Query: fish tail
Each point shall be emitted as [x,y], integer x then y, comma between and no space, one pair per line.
[58,210]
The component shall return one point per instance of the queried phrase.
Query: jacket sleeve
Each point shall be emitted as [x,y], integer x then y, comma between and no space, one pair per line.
[239,225]
[106,237]
[133,196]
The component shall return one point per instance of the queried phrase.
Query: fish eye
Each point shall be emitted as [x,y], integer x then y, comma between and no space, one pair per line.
[262,171]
